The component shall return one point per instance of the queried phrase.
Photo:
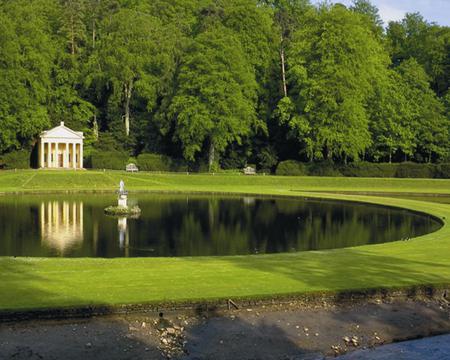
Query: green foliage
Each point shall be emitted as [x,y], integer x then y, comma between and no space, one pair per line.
[114,160]
[291,168]
[366,169]
[153,162]
[16,160]
[227,82]
[267,159]
[323,168]
[215,101]
[26,54]
[443,171]
[413,170]
[333,60]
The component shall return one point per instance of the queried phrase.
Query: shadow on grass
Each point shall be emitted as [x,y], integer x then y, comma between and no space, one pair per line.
[346,270]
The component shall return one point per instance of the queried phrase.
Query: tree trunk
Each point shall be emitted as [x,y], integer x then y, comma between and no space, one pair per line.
[211,155]
[95,127]
[128,88]
[93,34]
[72,36]
[390,156]
[429,157]
[283,67]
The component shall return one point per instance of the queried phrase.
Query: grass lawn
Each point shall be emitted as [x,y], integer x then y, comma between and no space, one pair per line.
[31,283]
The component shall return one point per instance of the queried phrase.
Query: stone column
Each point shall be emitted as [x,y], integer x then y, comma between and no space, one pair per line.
[74,155]
[41,157]
[81,155]
[56,158]
[49,155]
[66,155]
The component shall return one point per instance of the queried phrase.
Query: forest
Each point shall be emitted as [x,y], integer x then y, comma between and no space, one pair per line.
[220,84]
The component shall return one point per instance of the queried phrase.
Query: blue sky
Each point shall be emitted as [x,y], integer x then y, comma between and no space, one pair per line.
[432,10]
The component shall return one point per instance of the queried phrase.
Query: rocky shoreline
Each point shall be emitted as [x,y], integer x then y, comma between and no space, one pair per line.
[273,331]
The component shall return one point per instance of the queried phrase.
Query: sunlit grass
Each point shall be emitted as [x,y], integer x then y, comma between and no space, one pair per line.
[28,283]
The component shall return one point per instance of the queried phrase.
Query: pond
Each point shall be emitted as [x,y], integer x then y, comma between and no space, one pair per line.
[195,225]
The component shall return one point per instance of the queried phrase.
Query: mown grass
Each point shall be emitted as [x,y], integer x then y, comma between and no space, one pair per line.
[32,283]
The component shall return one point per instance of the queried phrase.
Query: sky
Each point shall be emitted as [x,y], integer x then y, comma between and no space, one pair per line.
[391,10]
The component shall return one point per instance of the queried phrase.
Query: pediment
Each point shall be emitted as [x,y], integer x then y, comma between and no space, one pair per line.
[62,132]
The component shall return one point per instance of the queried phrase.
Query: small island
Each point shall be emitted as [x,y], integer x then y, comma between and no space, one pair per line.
[122,208]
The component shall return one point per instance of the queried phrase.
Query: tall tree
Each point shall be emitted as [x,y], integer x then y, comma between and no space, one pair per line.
[129,60]
[26,54]
[334,59]
[216,96]
[428,43]
[371,12]
[430,124]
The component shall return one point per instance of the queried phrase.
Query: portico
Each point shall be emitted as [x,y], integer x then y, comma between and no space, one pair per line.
[61,148]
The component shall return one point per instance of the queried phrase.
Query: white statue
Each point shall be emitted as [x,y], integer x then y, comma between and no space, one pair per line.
[121,187]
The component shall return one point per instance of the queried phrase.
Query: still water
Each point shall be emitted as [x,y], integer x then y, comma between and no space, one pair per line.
[194,225]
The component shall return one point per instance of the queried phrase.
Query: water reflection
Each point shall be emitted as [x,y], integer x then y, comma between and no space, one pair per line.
[124,236]
[193,225]
[61,224]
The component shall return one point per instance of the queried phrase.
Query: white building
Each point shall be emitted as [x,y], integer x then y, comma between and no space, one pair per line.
[62,148]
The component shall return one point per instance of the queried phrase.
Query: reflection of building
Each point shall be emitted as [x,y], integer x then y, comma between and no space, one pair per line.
[61,224]
[61,147]
[124,238]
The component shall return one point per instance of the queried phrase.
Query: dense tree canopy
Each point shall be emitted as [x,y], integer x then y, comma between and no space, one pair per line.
[226,82]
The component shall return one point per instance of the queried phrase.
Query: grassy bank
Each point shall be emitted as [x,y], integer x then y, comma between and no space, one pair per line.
[30,283]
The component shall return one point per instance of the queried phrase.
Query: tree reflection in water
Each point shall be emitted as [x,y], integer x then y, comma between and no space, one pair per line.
[193,225]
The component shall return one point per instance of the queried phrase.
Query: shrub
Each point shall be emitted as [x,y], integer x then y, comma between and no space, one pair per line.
[158,162]
[365,169]
[267,159]
[291,168]
[443,171]
[115,160]
[153,162]
[179,165]
[413,170]
[19,159]
[325,168]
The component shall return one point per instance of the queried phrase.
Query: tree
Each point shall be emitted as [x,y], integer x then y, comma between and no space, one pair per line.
[391,119]
[431,125]
[26,54]
[428,43]
[216,95]
[371,12]
[129,60]
[288,15]
[334,59]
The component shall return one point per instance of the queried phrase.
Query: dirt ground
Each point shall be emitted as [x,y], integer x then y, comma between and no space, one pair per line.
[278,331]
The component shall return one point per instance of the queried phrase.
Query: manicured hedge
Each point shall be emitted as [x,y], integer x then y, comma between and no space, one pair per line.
[413,170]
[291,168]
[365,169]
[157,162]
[115,160]
[443,171]
[16,160]
[324,168]
[153,162]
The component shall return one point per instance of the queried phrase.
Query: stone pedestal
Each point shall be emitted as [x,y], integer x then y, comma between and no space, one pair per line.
[123,200]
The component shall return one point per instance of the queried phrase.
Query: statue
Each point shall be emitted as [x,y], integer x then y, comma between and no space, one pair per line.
[122,208]
[121,187]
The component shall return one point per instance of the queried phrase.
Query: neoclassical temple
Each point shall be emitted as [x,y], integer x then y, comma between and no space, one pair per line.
[61,147]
